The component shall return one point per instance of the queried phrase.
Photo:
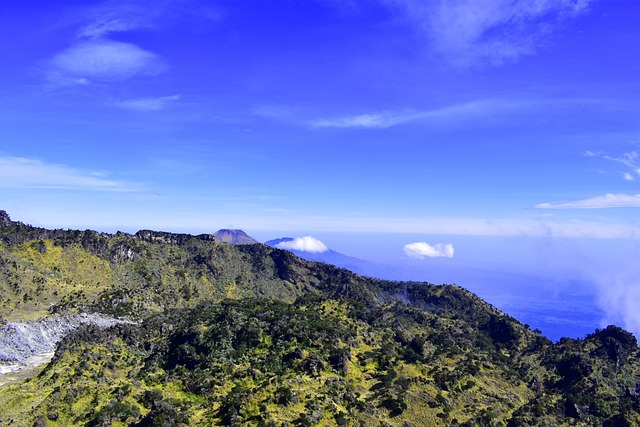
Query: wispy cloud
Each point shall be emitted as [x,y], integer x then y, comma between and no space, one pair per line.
[478,32]
[629,160]
[113,16]
[597,202]
[423,250]
[117,19]
[379,120]
[104,61]
[489,110]
[304,244]
[20,172]
[148,104]
[389,118]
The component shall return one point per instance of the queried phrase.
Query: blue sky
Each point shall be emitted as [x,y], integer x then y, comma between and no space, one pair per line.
[372,124]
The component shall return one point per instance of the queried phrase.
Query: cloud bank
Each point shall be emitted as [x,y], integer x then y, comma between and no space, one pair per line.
[618,292]
[620,299]
[423,250]
[20,172]
[459,226]
[304,244]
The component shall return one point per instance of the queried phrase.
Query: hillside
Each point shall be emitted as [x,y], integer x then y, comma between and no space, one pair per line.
[209,333]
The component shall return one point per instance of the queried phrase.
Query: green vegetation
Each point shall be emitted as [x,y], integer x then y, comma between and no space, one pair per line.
[250,335]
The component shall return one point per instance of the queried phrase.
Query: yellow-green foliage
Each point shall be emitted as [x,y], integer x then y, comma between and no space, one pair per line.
[215,383]
[39,274]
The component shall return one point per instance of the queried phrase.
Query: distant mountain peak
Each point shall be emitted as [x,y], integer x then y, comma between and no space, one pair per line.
[234,237]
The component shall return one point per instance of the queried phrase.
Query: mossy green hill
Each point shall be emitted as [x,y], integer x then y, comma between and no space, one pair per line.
[251,335]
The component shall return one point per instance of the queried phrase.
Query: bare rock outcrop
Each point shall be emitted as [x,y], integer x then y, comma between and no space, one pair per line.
[24,344]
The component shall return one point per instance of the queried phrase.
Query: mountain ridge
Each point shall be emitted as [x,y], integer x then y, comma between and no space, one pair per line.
[330,256]
[253,335]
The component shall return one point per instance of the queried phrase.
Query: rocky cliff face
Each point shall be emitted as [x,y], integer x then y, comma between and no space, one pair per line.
[24,343]
[171,238]
[5,220]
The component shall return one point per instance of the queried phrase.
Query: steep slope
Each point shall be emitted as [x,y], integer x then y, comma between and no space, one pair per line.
[53,271]
[252,335]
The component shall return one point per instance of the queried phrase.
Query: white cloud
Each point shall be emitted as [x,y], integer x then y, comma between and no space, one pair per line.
[148,104]
[304,244]
[471,32]
[421,250]
[104,61]
[20,172]
[598,202]
[97,58]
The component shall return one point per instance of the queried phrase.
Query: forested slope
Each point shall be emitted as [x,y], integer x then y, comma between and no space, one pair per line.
[250,335]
